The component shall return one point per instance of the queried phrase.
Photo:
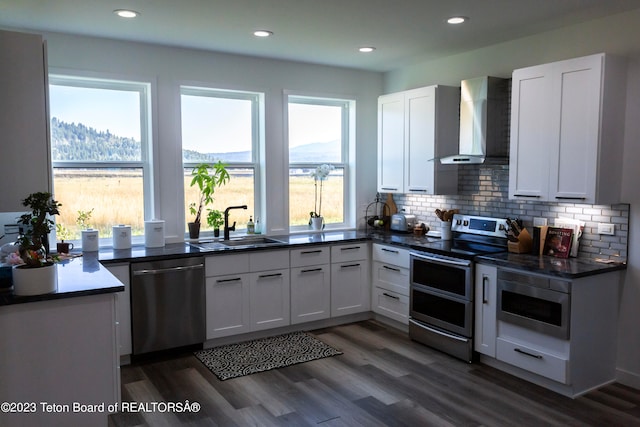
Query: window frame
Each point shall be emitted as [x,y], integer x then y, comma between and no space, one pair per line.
[347,153]
[257,137]
[145,88]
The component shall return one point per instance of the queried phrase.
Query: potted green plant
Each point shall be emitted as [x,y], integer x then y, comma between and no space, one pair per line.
[215,220]
[321,174]
[63,233]
[37,275]
[207,178]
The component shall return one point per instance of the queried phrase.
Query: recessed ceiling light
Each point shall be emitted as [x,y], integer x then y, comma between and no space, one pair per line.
[457,19]
[367,49]
[262,33]
[126,13]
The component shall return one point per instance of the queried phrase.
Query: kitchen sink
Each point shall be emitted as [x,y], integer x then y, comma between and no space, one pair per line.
[251,242]
[240,242]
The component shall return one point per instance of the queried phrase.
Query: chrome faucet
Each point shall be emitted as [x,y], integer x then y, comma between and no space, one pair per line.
[227,229]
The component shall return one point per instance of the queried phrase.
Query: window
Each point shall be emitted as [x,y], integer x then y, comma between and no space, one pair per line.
[222,125]
[100,152]
[319,133]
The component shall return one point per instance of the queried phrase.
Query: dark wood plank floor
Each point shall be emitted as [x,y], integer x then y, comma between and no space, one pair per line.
[382,379]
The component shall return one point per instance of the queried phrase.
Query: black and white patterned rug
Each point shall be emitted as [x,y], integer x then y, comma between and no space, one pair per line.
[249,357]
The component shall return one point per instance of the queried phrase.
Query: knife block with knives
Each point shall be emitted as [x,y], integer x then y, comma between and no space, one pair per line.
[519,239]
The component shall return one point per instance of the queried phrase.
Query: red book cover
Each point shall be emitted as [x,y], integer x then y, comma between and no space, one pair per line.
[558,242]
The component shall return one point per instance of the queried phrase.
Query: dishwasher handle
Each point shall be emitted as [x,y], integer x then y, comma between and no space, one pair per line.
[168,270]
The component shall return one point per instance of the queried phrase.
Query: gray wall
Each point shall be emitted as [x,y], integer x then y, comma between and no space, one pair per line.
[617,34]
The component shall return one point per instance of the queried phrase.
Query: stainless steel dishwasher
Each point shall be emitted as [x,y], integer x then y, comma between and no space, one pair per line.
[167,304]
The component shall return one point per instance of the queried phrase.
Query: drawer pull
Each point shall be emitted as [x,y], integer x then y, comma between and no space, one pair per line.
[389,250]
[350,265]
[311,252]
[391,296]
[389,188]
[236,279]
[397,270]
[527,195]
[264,276]
[352,248]
[536,356]
[312,270]
[570,198]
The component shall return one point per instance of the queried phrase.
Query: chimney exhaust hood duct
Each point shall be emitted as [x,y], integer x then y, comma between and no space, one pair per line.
[484,121]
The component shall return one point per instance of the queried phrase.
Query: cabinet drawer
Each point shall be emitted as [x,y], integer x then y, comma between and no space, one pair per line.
[391,304]
[391,278]
[220,265]
[268,260]
[310,255]
[391,255]
[352,252]
[533,360]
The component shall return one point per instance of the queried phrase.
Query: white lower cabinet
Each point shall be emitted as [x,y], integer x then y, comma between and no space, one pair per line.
[310,284]
[350,288]
[246,292]
[269,299]
[390,282]
[486,295]
[123,307]
[228,305]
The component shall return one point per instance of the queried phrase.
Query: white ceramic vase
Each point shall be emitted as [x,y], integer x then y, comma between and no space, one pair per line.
[317,223]
[34,281]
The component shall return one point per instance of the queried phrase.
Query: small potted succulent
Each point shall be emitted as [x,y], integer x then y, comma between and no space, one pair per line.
[207,178]
[37,275]
[63,233]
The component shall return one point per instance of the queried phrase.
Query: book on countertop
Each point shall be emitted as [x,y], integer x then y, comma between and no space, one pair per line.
[558,242]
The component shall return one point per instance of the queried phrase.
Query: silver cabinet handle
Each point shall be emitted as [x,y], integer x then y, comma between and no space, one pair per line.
[389,188]
[526,353]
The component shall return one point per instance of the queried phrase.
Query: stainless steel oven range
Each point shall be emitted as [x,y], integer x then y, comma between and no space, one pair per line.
[442,284]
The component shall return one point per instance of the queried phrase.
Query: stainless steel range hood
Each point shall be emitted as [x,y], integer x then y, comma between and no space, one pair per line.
[484,121]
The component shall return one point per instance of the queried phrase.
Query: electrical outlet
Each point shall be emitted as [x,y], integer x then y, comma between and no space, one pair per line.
[608,229]
[405,209]
[537,222]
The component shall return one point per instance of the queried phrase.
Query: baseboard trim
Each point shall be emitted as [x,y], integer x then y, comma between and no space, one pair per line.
[630,379]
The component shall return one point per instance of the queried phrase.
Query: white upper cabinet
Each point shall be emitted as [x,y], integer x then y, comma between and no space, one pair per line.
[415,128]
[24,161]
[567,124]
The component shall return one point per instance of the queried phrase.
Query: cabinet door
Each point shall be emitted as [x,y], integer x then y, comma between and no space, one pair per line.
[23,119]
[350,289]
[123,307]
[531,136]
[485,310]
[228,305]
[575,121]
[420,113]
[310,293]
[391,143]
[269,299]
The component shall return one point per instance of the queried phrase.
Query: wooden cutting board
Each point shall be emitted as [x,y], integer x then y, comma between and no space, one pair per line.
[391,204]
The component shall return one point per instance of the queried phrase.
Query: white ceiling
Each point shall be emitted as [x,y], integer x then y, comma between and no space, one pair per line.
[316,31]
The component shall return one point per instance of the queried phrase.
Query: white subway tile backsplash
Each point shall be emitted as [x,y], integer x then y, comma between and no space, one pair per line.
[484,190]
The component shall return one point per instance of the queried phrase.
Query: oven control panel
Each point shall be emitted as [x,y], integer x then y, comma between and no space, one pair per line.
[485,226]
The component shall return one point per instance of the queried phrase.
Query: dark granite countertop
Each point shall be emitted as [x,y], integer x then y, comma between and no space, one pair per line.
[76,277]
[570,268]
[86,275]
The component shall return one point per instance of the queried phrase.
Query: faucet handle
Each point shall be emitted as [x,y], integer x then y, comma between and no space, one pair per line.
[232,227]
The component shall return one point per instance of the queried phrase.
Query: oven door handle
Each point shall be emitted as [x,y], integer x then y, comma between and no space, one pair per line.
[435,331]
[441,260]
